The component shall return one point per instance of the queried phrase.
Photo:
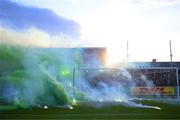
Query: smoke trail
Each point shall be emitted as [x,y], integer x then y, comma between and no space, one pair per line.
[104,87]
[105,84]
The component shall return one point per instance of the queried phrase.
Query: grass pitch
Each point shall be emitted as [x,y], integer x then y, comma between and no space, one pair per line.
[96,110]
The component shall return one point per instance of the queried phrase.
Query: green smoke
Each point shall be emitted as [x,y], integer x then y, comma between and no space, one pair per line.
[36,77]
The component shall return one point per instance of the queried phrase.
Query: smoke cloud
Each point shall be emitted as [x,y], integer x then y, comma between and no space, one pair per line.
[31,75]
[37,38]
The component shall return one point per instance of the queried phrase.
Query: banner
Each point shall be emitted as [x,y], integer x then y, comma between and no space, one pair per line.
[153,91]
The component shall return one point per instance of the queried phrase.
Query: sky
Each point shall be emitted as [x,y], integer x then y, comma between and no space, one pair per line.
[148,25]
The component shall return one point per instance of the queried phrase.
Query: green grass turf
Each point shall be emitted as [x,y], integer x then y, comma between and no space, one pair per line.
[86,111]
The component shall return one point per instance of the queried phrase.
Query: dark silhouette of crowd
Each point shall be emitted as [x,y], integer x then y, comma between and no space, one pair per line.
[159,77]
[136,77]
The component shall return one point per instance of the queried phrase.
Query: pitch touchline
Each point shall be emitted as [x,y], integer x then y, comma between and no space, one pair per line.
[96,114]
